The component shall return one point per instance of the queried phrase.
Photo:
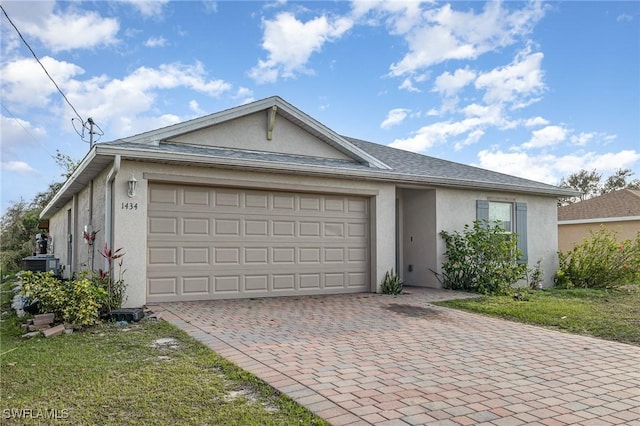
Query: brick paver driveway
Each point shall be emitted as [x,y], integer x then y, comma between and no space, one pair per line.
[384,360]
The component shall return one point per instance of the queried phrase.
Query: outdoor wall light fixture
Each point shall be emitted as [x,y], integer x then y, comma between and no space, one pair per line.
[133,183]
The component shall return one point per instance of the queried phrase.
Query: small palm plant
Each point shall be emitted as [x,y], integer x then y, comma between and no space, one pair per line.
[392,284]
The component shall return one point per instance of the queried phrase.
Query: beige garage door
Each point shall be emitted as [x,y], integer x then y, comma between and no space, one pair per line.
[214,243]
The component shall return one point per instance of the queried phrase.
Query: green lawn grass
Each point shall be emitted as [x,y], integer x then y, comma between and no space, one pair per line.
[111,375]
[607,314]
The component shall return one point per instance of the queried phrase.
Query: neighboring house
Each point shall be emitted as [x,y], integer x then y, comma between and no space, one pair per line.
[618,211]
[263,200]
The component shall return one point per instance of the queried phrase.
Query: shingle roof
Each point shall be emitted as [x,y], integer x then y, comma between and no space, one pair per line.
[403,165]
[368,160]
[410,163]
[620,203]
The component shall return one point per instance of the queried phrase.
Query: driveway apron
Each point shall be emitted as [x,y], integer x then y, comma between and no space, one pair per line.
[361,359]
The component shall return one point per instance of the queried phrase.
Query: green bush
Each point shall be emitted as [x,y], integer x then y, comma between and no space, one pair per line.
[47,289]
[78,302]
[84,302]
[391,284]
[600,261]
[481,259]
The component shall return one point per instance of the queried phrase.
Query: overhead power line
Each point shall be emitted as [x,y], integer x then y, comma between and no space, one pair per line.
[94,131]
[38,60]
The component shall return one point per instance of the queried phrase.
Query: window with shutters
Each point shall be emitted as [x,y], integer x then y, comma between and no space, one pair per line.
[511,216]
[502,213]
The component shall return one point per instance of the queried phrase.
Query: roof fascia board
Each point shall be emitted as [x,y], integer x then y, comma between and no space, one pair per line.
[332,137]
[69,182]
[598,220]
[262,165]
[154,136]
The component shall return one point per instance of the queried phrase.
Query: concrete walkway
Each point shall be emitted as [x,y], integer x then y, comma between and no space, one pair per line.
[375,359]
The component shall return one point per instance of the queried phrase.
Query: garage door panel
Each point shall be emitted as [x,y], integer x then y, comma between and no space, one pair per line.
[286,255]
[196,285]
[310,281]
[226,227]
[196,256]
[195,227]
[208,243]
[309,229]
[284,202]
[227,284]
[195,196]
[163,195]
[256,227]
[256,255]
[163,226]
[282,282]
[256,284]
[227,198]
[163,286]
[283,228]
[163,256]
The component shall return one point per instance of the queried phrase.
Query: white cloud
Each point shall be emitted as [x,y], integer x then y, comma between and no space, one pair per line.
[547,136]
[134,96]
[394,117]
[399,16]
[436,133]
[156,42]
[445,34]
[210,6]
[550,168]
[123,105]
[477,118]
[515,83]
[290,44]
[586,138]
[624,17]
[17,134]
[24,81]
[473,137]
[407,84]
[70,30]
[449,84]
[539,168]
[535,121]
[195,107]
[19,167]
[148,8]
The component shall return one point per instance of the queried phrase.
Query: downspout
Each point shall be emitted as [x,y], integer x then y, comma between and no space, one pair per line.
[108,205]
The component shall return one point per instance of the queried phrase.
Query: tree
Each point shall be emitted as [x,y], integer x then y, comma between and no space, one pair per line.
[590,184]
[619,181]
[18,227]
[19,224]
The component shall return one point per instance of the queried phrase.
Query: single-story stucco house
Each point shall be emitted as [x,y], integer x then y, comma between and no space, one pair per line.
[263,200]
[618,211]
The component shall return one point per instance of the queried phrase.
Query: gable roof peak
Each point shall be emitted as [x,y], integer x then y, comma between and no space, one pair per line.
[280,107]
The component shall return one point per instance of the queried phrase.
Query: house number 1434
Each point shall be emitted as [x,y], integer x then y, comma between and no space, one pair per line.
[129,206]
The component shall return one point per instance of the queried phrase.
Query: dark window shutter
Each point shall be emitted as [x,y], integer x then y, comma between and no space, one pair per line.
[482,211]
[521,230]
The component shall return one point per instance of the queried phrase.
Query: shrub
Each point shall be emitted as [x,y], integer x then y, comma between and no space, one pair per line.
[77,302]
[392,284]
[481,259]
[48,290]
[535,276]
[84,302]
[600,261]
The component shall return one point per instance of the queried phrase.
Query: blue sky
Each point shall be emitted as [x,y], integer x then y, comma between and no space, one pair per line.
[535,89]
